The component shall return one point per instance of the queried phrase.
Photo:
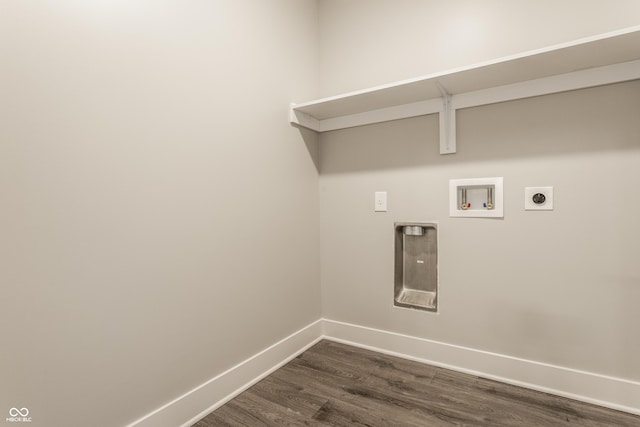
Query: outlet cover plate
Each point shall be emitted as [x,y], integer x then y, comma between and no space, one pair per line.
[380,201]
[529,204]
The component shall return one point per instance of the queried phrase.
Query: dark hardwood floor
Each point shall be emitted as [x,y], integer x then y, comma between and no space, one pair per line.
[339,385]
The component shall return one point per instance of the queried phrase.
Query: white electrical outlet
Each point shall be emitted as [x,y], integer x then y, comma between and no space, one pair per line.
[380,202]
[538,198]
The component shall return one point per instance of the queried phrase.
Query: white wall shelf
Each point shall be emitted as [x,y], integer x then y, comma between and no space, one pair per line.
[594,61]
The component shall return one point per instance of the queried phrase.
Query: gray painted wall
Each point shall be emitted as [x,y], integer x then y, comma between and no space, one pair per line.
[559,287]
[152,195]
[371,42]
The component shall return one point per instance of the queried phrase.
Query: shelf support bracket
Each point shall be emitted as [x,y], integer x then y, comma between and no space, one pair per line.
[447,123]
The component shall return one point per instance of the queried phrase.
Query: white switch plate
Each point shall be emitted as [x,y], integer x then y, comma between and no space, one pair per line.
[380,202]
[530,205]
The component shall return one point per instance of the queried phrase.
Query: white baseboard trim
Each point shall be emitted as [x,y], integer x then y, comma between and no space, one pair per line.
[610,392]
[615,393]
[195,404]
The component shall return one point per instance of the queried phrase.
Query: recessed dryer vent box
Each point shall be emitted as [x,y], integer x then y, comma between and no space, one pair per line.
[416,266]
[476,198]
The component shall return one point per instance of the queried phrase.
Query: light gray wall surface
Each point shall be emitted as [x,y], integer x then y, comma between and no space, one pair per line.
[559,287]
[372,42]
[158,214]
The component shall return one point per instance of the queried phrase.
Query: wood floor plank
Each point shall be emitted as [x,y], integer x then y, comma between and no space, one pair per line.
[452,405]
[372,412]
[290,395]
[337,367]
[405,408]
[340,385]
[551,407]
[250,409]
[323,382]
[235,413]
[373,362]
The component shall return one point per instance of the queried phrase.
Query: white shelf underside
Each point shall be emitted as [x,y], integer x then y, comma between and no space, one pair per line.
[594,61]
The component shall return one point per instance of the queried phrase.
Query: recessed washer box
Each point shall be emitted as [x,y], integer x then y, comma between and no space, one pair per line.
[476,197]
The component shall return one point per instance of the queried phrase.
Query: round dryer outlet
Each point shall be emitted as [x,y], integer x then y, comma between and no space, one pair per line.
[538,198]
